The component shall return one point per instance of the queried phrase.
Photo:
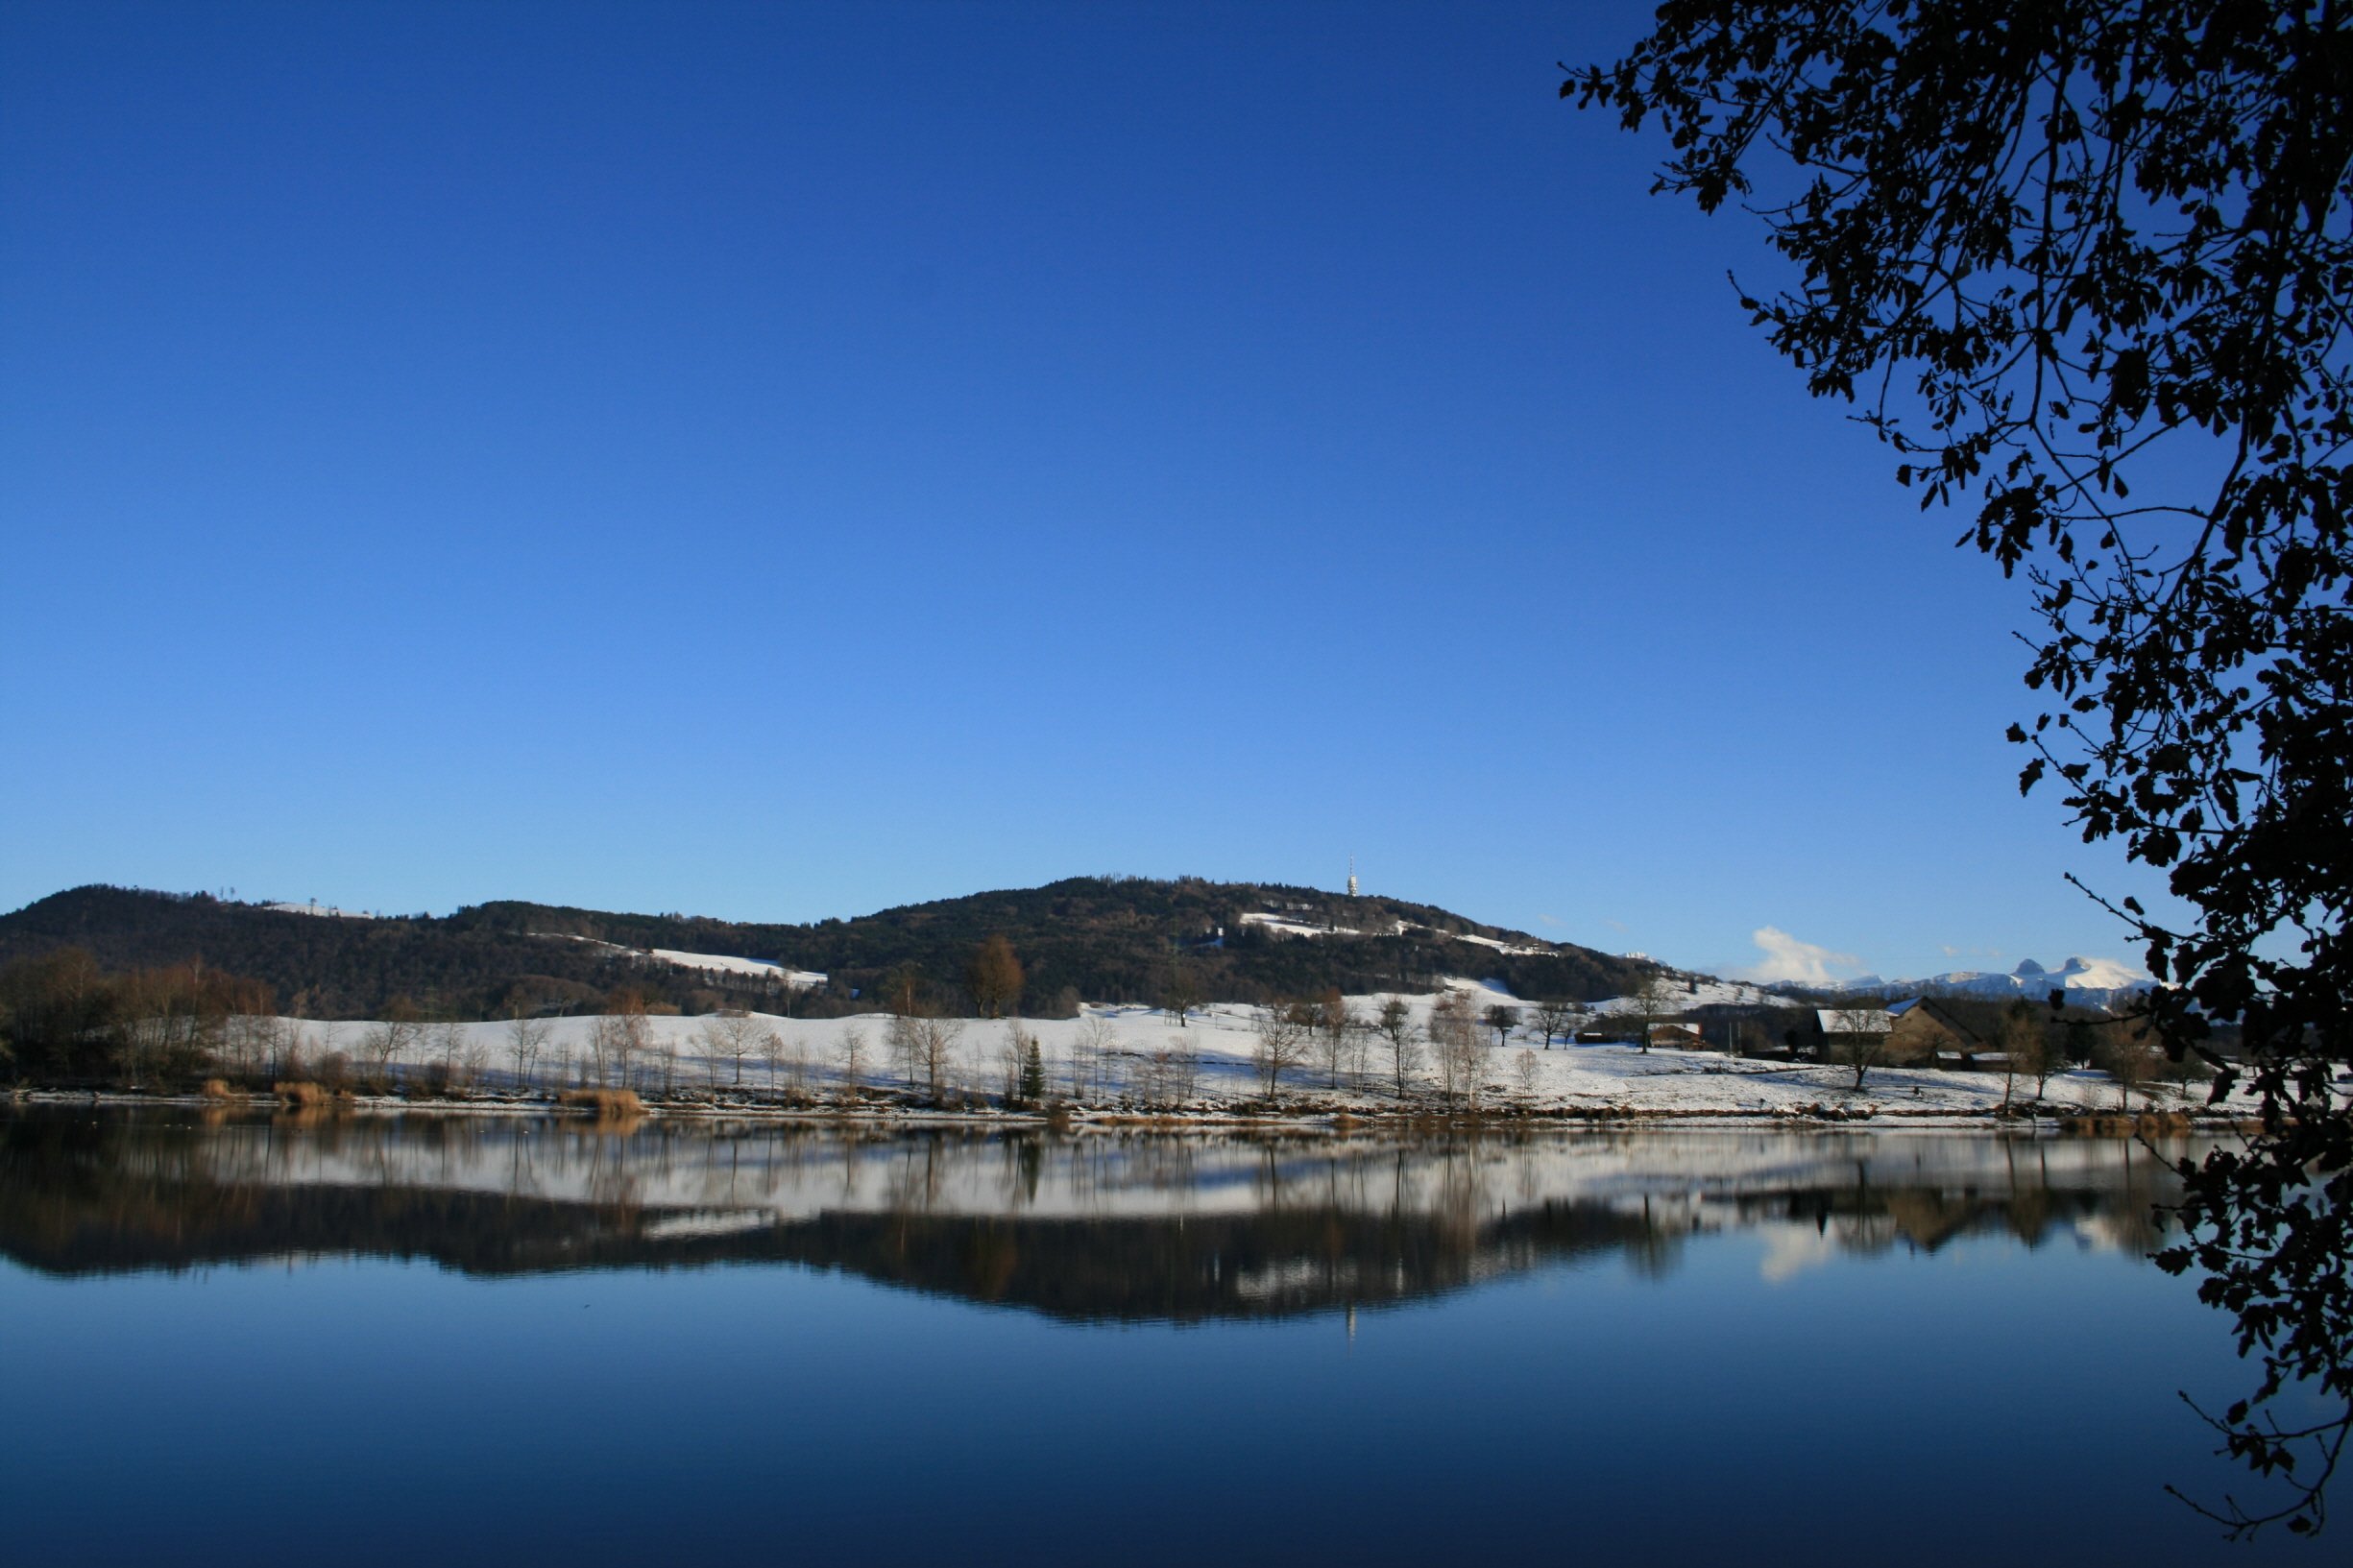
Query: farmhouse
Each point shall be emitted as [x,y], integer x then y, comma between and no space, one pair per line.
[1928,1033]
[1842,1026]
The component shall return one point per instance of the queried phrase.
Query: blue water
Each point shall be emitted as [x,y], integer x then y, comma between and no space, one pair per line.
[1696,1398]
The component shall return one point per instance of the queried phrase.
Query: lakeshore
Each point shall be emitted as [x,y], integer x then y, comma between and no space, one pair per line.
[1126,1061]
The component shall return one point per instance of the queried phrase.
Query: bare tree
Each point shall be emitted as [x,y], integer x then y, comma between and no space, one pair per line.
[449,1049]
[249,1041]
[1013,1053]
[1454,1042]
[2131,1053]
[1858,1034]
[633,1035]
[288,1049]
[795,1052]
[2036,1049]
[617,1039]
[526,1037]
[1359,1049]
[1395,1026]
[390,1039]
[1333,1024]
[2018,1022]
[772,1054]
[328,1042]
[603,1048]
[1090,1058]
[733,1033]
[1556,1018]
[1660,997]
[851,1052]
[931,1050]
[1182,996]
[1526,1067]
[906,1045]
[1502,1018]
[1150,1080]
[1182,1067]
[1281,1044]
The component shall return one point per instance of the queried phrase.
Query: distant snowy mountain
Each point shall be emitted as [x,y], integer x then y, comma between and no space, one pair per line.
[2095,982]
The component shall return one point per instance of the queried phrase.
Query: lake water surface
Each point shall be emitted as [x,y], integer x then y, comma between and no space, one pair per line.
[455,1339]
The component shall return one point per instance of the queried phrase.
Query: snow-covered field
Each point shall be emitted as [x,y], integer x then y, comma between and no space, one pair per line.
[1137,1057]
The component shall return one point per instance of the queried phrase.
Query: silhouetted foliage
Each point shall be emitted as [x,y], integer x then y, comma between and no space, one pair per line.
[2089,263]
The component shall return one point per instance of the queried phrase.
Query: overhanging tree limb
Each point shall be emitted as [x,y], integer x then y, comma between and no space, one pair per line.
[2062,251]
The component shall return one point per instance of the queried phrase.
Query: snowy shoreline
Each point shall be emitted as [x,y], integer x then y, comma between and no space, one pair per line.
[1316,1117]
[1129,1064]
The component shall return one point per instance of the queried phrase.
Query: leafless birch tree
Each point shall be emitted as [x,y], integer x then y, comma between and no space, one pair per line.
[526,1037]
[1280,1046]
[1454,1042]
[731,1033]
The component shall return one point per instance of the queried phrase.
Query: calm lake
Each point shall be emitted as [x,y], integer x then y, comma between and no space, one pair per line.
[455,1339]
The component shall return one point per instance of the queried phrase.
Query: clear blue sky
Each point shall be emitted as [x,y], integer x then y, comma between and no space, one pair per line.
[775,461]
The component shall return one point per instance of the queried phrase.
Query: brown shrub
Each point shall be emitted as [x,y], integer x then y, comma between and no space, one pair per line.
[302,1096]
[607,1104]
[2118,1125]
[217,1088]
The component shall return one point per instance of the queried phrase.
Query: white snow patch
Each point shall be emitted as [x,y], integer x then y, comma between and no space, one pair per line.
[1285,926]
[799,980]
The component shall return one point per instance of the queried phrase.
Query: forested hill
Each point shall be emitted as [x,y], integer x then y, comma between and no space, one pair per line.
[1102,939]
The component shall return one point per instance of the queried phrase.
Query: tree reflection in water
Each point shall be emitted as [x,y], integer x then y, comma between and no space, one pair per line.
[1100,1224]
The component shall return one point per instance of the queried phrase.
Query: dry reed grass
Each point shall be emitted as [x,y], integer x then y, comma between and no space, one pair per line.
[607,1104]
[2147,1125]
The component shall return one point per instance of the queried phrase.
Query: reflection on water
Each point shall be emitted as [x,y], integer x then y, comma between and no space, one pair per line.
[497,1340]
[1123,1225]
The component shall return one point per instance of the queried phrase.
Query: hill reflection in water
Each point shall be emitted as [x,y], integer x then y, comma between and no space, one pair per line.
[1115,1225]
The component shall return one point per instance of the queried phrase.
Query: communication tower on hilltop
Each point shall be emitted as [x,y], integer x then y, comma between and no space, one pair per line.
[1351,876]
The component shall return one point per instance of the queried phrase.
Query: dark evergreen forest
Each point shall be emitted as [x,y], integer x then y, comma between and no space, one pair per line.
[1102,939]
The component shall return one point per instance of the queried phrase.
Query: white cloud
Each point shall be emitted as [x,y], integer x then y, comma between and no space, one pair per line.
[1787,958]
[1790,1251]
